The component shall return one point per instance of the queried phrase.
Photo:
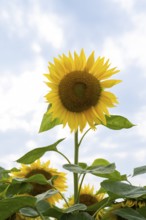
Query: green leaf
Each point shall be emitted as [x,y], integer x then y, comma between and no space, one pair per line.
[76,207]
[18,188]
[47,122]
[77,216]
[142,211]
[103,203]
[29,212]
[46,194]
[37,178]
[129,213]
[74,168]
[139,170]
[54,212]
[10,206]
[123,190]
[96,170]
[36,153]
[101,170]
[112,176]
[117,122]
[83,165]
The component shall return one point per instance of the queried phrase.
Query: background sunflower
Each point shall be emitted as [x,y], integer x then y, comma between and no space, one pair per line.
[37,167]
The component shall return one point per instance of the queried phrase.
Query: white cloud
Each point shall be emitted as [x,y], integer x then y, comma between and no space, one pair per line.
[140,118]
[44,26]
[125,4]
[20,96]
[129,47]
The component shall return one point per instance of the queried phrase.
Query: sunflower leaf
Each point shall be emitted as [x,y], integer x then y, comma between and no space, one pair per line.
[129,213]
[123,190]
[46,194]
[96,170]
[75,216]
[47,122]
[117,122]
[139,170]
[112,176]
[37,178]
[36,153]
[75,208]
[11,205]
[74,168]
[102,170]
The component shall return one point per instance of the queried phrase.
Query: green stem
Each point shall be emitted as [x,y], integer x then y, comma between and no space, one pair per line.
[84,136]
[76,155]
[63,156]
[80,186]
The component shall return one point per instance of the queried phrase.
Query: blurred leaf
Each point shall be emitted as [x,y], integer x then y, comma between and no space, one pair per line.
[74,168]
[92,169]
[142,211]
[36,153]
[76,207]
[46,194]
[129,213]
[123,190]
[102,170]
[103,203]
[139,170]
[54,212]
[18,188]
[29,212]
[83,165]
[47,122]
[112,176]
[37,178]
[117,122]
[77,216]
[10,206]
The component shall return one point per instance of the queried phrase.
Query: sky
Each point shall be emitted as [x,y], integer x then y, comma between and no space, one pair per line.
[33,32]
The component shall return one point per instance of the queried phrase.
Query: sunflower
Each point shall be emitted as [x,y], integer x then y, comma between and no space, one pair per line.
[77,94]
[37,167]
[88,197]
[130,203]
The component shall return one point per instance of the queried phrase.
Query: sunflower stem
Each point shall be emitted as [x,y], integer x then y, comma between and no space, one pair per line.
[83,136]
[81,182]
[76,157]
[63,156]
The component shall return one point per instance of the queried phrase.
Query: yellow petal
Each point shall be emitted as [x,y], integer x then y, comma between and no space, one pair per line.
[109,83]
[90,62]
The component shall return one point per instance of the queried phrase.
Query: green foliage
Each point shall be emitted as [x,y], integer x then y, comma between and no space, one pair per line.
[76,216]
[115,175]
[139,170]
[47,122]
[36,153]
[76,207]
[10,206]
[117,122]
[96,170]
[123,190]
[129,214]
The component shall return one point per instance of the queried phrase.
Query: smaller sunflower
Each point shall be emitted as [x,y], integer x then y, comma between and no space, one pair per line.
[88,198]
[37,167]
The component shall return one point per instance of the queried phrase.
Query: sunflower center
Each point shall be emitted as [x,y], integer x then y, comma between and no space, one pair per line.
[36,187]
[79,90]
[87,199]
